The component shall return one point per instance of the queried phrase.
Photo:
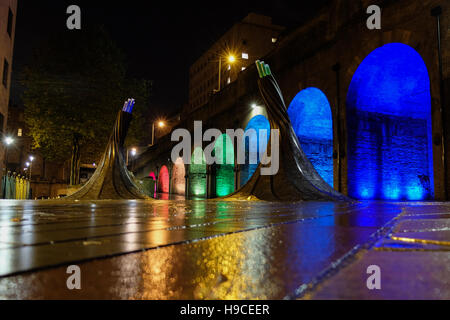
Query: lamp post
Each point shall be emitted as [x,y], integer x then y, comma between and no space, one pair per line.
[8,141]
[161,124]
[133,152]
[231,59]
[31,164]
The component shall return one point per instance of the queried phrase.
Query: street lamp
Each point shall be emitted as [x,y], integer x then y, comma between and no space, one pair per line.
[8,141]
[161,124]
[133,152]
[231,59]
[31,164]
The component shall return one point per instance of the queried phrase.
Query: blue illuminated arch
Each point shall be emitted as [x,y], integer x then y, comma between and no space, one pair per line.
[389,127]
[255,144]
[311,118]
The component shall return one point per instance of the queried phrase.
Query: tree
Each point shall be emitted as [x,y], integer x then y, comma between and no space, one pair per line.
[73,89]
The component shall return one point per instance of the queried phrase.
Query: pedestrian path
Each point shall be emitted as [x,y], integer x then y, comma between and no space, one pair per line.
[178,249]
[413,259]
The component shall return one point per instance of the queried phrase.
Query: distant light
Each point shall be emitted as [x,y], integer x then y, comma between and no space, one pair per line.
[254,106]
[244,55]
[231,58]
[133,152]
[94,164]
[27,164]
[161,124]
[9,140]
[31,158]
[274,40]
[243,68]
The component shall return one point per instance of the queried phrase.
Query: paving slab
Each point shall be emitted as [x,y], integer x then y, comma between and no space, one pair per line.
[214,249]
[265,263]
[404,275]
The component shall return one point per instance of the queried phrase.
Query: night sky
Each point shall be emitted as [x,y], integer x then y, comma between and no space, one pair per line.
[160,39]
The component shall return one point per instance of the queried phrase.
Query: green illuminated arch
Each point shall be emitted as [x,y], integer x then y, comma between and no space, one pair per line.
[224,154]
[197,174]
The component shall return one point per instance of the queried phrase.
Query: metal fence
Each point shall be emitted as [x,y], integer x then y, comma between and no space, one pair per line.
[15,186]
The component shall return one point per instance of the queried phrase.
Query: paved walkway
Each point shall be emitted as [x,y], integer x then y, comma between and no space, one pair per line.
[201,249]
[414,261]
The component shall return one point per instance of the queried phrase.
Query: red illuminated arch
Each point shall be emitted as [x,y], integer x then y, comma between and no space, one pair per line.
[163,180]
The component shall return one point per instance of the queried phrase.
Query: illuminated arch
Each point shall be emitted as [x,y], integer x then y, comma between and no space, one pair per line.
[389,126]
[163,180]
[178,177]
[197,174]
[224,154]
[254,145]
[311,118]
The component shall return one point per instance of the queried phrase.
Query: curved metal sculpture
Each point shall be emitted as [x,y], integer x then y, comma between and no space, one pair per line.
[111,179]
[296,179]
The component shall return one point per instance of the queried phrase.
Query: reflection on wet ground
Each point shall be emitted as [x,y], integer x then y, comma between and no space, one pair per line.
[414,260]
[184,249]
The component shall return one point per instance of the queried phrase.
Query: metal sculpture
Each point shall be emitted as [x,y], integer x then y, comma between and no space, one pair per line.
[111,179]
[296,178]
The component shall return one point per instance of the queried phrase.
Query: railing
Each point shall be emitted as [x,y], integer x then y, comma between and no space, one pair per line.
[15,186]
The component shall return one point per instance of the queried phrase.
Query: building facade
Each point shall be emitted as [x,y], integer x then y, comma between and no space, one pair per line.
[49,179]
[8,13]
[245,42]
[370,107]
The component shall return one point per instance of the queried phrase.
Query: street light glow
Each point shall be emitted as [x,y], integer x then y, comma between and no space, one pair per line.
[161,124]
[31,158]
[27,164]
[231,58]
[133,152]
[9,140]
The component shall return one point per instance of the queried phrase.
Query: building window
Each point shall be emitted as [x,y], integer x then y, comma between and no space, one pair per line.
[5,73]
[274,40]
[19,132]
[10,22]
[244,55]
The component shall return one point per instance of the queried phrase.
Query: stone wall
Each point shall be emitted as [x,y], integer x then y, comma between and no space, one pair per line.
[46,189]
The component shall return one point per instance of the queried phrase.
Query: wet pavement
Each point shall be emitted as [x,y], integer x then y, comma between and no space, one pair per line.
[413,258]
[178,249]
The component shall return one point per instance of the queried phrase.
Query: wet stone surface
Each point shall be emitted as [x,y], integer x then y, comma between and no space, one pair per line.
[190,249]
[414,261]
